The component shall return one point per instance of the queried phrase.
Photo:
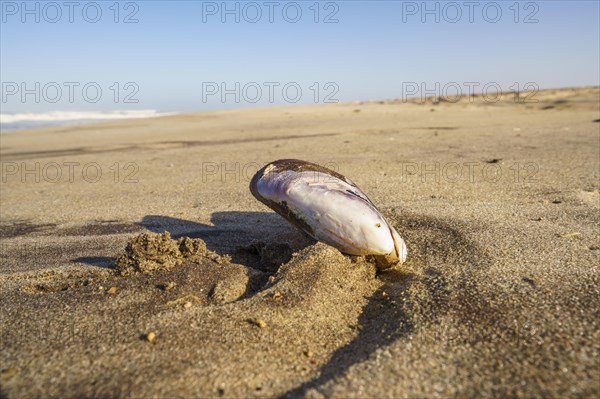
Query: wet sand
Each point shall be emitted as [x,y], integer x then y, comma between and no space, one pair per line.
[498,203]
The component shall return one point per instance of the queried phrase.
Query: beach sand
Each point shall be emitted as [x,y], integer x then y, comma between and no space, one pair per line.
[498,203]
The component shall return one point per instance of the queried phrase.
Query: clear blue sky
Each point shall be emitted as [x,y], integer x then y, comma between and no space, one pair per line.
[374,49]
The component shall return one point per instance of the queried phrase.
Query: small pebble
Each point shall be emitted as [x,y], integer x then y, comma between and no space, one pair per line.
[151,336]
[166,287]
[260,323]
[308,353]
[187,305]
[112,290]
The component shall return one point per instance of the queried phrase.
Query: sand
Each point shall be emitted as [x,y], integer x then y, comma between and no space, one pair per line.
[499,296]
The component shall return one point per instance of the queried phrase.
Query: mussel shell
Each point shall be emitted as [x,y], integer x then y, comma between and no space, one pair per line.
[329,207]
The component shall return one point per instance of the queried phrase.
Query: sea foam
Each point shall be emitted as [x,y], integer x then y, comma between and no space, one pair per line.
[28,120]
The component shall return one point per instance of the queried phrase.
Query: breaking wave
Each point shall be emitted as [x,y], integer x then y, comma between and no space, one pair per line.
[18,121]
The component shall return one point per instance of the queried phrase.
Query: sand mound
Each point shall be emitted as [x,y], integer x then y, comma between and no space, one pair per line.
[149,252]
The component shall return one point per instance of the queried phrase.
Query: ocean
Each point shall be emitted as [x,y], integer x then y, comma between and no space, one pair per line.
[21,121]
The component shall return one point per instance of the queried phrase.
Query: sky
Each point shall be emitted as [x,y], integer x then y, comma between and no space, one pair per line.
[181,56]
